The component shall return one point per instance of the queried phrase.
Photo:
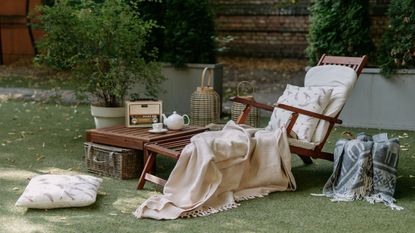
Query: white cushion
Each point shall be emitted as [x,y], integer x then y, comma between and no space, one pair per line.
[57,191]
[314,99]
[341,79]
[302,143]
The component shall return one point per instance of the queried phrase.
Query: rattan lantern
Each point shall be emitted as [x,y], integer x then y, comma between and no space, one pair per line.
[205,102]
[237,108]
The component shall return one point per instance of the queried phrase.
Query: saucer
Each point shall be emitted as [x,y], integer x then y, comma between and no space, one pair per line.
[158,131]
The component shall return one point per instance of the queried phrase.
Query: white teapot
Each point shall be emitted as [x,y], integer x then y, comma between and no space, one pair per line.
[175,121]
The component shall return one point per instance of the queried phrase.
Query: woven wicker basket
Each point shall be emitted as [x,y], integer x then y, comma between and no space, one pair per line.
[113,161]
[205,103]
[237,108]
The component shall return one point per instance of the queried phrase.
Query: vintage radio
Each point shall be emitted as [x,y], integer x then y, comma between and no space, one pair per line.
[143,113]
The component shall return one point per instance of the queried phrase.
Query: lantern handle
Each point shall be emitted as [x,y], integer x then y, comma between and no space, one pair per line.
[247,83]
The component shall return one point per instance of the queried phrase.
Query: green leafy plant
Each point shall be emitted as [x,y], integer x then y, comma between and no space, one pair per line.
[102,45]
[338,28]
[398,45]
[187,32]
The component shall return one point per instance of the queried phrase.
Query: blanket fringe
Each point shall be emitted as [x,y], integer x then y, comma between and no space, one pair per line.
[385,199]
[249,197]
[207,210]
[372,199]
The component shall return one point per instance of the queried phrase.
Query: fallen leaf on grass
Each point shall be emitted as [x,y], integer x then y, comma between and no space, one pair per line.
[74,168]
[102,193]
[11,160]
[77,137]
[39,157]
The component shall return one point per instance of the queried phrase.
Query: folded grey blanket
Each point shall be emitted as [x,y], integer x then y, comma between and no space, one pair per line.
[365,168]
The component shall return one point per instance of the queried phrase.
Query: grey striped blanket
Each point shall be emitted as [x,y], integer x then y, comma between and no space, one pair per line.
[365,169]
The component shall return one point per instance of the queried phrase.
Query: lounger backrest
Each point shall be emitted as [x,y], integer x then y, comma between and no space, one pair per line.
[341,79]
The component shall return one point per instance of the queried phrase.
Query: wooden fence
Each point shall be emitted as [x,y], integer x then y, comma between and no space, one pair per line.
[16,36]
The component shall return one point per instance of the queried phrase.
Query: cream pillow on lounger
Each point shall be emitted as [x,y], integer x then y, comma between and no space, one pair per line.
[314,99]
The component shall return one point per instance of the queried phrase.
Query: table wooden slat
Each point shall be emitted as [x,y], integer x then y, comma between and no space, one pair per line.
[135,138]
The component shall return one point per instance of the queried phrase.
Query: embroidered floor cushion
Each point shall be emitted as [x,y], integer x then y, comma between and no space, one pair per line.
[314,99]
[57,191]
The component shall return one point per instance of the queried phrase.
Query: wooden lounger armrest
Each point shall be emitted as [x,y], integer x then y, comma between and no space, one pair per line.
[252,103]
[309,113]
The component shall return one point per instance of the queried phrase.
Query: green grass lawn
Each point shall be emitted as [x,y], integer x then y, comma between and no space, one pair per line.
[27,75]
[38,138]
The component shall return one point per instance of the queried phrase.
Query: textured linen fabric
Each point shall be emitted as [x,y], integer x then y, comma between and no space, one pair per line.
[219,168]
[57,191]
[342,80]
[314,99]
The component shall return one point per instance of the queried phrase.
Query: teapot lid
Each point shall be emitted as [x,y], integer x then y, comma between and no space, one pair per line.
[174,115]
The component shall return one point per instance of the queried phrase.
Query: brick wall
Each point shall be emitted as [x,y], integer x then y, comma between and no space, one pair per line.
[275,28]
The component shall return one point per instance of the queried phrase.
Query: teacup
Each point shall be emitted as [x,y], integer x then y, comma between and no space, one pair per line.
[157,126]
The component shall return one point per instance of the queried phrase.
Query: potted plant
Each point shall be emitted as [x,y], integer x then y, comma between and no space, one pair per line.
[103,44]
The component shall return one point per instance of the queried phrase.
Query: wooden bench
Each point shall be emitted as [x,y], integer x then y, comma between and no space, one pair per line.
[170,148]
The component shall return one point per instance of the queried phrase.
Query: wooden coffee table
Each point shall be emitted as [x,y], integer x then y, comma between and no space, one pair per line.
[136,138]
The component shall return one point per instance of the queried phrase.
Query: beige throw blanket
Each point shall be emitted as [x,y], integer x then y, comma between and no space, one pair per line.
[218,169]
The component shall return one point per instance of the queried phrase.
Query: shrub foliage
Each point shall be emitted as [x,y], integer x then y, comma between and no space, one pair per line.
[187,30]
[338,27]
[398,45]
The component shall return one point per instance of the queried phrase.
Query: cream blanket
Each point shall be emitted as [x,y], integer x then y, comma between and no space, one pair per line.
[218,169]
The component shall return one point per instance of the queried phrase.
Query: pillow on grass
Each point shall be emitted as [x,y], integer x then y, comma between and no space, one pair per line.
[314,99]
[57,191]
